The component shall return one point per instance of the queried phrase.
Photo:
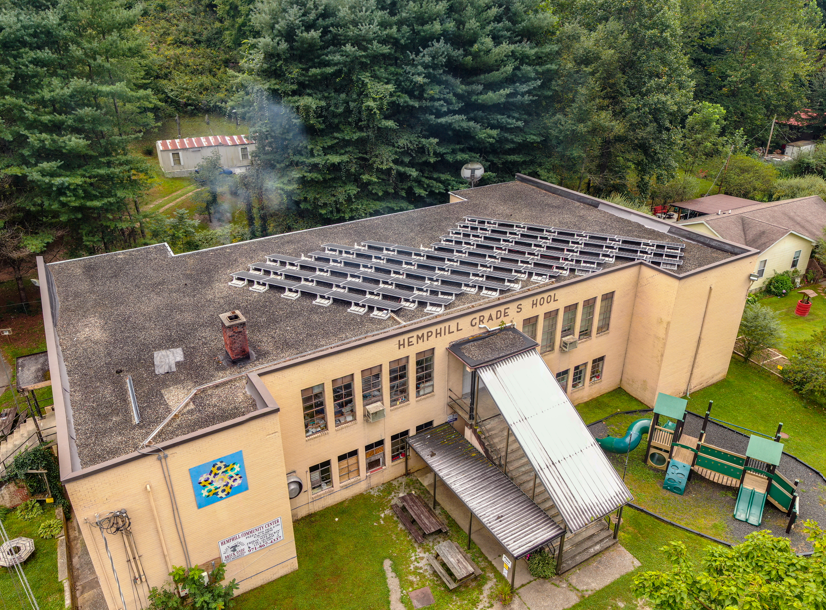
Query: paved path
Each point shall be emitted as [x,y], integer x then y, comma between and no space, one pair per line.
[539,594]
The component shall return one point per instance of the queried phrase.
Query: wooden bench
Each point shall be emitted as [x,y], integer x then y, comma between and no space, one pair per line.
[408,523]
[460,567]
[422,514]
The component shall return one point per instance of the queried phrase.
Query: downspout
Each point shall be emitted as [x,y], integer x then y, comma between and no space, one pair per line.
[158,525]
[699,341]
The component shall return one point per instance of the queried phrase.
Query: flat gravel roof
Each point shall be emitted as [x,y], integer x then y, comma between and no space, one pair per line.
[116,310]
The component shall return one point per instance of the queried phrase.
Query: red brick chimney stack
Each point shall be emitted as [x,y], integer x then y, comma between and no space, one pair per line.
[234,326]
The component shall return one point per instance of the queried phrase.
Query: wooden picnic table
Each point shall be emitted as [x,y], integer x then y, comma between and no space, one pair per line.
[417,517]
[460,567]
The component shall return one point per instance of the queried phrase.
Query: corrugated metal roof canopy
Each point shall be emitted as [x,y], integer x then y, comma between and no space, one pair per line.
[512,517]
[203,142]
[569,462]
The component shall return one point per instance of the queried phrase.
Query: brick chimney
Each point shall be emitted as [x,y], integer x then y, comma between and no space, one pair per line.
[234,326]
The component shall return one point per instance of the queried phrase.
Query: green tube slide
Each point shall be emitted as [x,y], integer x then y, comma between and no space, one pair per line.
[629,442]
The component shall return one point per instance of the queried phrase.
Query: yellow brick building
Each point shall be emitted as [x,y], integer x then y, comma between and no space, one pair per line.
[213,451]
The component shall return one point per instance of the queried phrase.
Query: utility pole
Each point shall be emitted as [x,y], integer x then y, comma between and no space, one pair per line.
[769,143]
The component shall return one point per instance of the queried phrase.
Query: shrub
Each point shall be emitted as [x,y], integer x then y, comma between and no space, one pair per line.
[211,594]
[801,186]
[50,528]
[542,565]
[4,512]
[629,202]
[759,329]
[748,177]
[681,188]
[29,510]
[38,458]
[806,371]
[780,284]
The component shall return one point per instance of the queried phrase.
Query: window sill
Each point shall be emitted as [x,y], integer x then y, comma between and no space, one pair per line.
[423,396]
[349,483]
[317,435]
[584,339]
[375,470]
[595,382]
[576,389]
[323,492]
[349,424]
[605,332]
[401,404]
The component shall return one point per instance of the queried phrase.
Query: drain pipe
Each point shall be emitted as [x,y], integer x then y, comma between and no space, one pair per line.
[699,341]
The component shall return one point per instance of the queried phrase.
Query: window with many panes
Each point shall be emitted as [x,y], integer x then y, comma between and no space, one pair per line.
[562,380]
[315,419]
[606,303]
[374,456]
[321,476]
[597,365]
[424,373]
[529,326]
[398,445]
[549,331]
[176,158]
[569,320]
[245,153]
[348,466]
[761,267]
[796,258]
[371,385]
[586,323]
[425,426]
[398,382]
[578,379]
[344,401]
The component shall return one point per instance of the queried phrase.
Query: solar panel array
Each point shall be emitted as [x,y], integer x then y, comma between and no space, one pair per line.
[481,255]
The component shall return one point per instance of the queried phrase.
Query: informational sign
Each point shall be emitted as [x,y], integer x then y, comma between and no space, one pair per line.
[451,418]
[506,563]
[245,543]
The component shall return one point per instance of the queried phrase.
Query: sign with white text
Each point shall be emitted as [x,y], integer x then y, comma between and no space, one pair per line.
[506,565]
[246,543]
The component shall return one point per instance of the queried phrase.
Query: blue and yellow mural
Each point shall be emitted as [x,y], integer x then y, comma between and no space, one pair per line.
[219,479]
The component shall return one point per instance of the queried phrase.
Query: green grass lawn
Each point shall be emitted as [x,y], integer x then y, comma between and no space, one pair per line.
[41,568]
[797,328]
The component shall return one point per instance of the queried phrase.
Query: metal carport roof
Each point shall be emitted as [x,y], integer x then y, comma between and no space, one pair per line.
[579,478]
[511,516]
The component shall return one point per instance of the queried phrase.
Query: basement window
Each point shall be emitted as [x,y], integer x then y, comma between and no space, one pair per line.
[398,445]
[176,158]
[315,419]
[398,382]
[321,477]
[424,373]
[348,466]
[344,403]
[374,456]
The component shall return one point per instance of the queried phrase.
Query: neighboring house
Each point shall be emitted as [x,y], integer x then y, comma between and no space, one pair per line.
[181,157]
[802,147]
[231,391]
[713,204]
[783,231]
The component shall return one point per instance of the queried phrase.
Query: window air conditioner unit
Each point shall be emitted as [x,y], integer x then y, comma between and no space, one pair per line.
[568,343]
[374,412]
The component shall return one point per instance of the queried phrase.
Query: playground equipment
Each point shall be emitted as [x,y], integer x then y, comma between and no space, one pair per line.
[755,474]
[629,442]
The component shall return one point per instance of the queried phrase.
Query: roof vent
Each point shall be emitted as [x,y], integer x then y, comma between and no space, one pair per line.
[234,327]
[136,414]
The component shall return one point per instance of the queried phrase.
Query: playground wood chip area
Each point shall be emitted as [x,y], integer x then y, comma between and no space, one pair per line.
[812,490]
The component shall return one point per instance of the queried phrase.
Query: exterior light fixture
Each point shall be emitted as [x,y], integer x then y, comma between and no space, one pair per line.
[754,277]
[473,172]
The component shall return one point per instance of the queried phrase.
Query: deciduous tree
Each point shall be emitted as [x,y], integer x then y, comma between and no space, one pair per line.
[760,329]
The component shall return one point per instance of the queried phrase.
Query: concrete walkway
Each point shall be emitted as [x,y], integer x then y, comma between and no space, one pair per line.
[537,594]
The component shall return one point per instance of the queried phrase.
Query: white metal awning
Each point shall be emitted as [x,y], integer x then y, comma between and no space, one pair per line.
[581,481]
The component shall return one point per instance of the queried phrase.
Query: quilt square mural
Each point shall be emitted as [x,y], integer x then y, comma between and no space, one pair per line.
[219,479]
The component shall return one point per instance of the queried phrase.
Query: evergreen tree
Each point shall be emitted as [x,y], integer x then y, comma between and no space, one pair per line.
[395,97]
[70,103]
